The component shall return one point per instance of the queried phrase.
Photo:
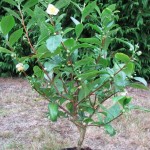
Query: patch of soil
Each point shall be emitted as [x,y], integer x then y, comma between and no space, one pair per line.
[24,124]
[75,148]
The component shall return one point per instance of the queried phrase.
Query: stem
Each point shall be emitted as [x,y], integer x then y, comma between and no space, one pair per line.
[82,131]
[100,86]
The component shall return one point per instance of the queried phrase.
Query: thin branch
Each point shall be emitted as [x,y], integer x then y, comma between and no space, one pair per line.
[106,122]
[34,51]
[100,86]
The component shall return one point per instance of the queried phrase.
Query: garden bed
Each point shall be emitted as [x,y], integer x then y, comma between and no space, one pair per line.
[24,124]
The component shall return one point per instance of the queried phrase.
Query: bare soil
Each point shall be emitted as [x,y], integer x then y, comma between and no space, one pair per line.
[24,124]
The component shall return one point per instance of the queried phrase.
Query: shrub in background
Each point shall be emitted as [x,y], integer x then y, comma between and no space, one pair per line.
[133,21]
[76,74]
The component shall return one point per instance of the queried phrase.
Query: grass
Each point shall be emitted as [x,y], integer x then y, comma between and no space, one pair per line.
[24,125]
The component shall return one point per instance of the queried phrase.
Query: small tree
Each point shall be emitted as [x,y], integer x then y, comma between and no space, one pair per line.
[76,74]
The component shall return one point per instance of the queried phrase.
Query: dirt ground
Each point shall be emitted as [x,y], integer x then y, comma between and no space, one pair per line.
[25,126]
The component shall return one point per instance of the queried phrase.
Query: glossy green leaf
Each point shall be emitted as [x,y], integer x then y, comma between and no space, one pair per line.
[38,72]
[122,57]
[69,106]
[15,36]
[53,111]
[90,40]
[123,100]
[53,43]
[118,98]
[59,84]
[76,22]
[138,86]
[88,74]
[84,91]
[129,69]
[14,13]
[67,30]
[12,2]
[85,61]
[4,50]
[79,29]
[83,45]
[69,43]
[62,3]
[30,3]
[110,130]
[88,9]
[120,79]
[142,80]
[7,23]
[49,65]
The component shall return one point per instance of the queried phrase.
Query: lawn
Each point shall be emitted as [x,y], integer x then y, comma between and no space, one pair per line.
[24,124]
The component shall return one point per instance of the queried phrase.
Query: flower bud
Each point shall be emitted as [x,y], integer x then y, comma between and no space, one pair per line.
[139,53]
[20,67]
[68,51]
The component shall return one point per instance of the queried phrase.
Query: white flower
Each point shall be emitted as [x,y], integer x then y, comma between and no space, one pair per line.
[52,10]
[139,53]
[20,67]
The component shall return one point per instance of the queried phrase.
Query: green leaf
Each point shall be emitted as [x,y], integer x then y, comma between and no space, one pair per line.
[138,86]
[120,79]
[76,22]
[129,69]
[15,36]
[125,42]
[4,50]
[59,85]
[69,43]
[90,40]
[83,45]
[85,61]
[122,57]
[96,28]
[7,23]
[12,2]
[13,13]
[53,111]
[26,66]
[53,43]
[110,130]
[38,72]
[77,6]
[106,17]
[84,91]
[118,98]
[62,3]
[142,80]
[112,7]
[49,65]
[30,3]
[69,106]
[67,30]
[88,9]
[88,74]
[123,100]
[79,29]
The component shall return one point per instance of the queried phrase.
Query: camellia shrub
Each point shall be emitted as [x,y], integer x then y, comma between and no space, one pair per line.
[75,74]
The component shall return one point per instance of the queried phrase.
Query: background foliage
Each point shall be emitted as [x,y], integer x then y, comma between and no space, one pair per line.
[134,20]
